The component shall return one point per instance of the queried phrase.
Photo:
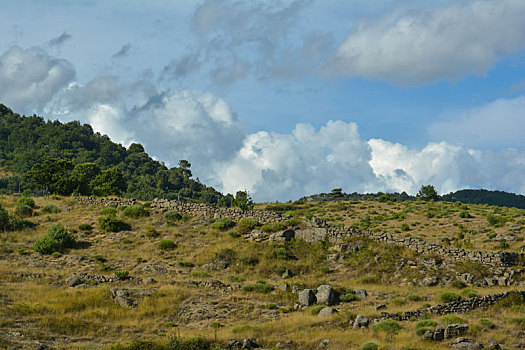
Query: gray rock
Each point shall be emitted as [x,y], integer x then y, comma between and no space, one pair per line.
[295,289]
[287,274]
[361,293]
[282,236]
[454,330]
[429,281]
[466,344]
[149,280]
[324,343]
[326,295]
[327,311]
[74,281]
[380,307]
[307,297]
[361,322]
[122,297]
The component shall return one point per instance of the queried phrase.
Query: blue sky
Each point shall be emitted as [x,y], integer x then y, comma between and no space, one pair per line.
[285,98]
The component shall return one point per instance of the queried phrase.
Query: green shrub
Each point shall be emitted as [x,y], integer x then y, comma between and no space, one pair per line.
[496,220]
[151,232]
[405,227]
[389,326]
[458,284]
[139,345]
[223,224]
[122,207]
[51,209]
[57,239]
[26,201]
[316,309]
[135,211]
[248,260]
[192,343]
[485,322]
[465,215]
[263,287]
[370,346]
[448,297]
[415,297]
[234,234]
[122,275]
[85,227]
[167,244]
[23,210]
[281,253]
[172,217]
[20,224]
[273,227]
[369,280]
[248,288]
[348,297]
[513,300]
[233,278]
[4,219]
[469,293]
[112,224]
[426,323]
[246,225]
[422,330]
[200,274]
[399,301]
[108,211]
[452,319]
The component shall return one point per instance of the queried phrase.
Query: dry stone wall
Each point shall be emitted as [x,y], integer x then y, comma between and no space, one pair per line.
[318,230]
[455,307]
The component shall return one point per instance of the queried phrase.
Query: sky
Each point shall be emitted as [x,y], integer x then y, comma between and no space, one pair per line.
[285,98]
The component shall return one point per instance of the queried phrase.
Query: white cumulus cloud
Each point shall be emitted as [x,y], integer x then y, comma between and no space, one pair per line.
[30,78]
[426,45]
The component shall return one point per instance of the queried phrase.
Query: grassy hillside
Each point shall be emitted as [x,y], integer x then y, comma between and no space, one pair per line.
[183,276]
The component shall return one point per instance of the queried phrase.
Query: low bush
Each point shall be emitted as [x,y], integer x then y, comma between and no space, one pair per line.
[167,244]
[122,275]
[399,301]
[234,234]
[192,343]
[514,300]
[135,211]
[246,225]
[389,326]
[452,319]
[26,201]
[422,330]
[485,322]
[85,227]
[273,227]
[108,211]
[233,278]
[316,309]
[469,293]
[151,232]
[465,215]
[20,224]
[112,224]
[248,260]
[172,217]
[518,321]
[51,209]
[426,323]
[185,264]
[415,297]
[57,239]
[458,284]
[348,297]
[223,224]
[448,297]
[370,346]
[369,280]
[23,210]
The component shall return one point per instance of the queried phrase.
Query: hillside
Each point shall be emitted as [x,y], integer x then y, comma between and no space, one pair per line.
[298,276]
[27,141]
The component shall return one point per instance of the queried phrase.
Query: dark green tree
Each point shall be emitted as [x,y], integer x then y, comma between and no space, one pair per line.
[427,193]
[243,200]
[53,175]
[82,176]
[109,182]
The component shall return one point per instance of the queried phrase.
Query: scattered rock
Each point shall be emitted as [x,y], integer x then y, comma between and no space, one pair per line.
[307,297]
[466,344]
[122,297]
[361,293]
[361,322]
[327,311]
[74,281]
[326,295]
[149,280]
[454,330]
[429,281]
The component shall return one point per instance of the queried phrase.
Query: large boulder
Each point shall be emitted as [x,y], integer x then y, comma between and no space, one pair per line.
[455,330]
[74,281]
[466,344]
[361,322]
[307,297]
[327,311]
[326,295]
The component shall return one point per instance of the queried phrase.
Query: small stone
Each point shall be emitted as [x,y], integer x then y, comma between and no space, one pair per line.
[361,322]
[327,311]
[74,281]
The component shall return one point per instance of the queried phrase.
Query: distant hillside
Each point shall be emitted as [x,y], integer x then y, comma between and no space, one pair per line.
[28,141]
[499,198]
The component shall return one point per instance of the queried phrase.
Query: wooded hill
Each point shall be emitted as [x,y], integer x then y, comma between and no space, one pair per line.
[84,161]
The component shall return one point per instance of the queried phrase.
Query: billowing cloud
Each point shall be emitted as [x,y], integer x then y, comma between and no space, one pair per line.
[496,124]
[287,166]
[427,45]
[30,78]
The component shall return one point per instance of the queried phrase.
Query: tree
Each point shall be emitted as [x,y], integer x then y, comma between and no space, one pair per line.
[109,182]
[185,166]
[243,200]
[53,174]
[82,176]
[427,193]
[337,192]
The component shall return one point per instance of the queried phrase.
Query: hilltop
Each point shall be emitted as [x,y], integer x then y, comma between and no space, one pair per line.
[304,275]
